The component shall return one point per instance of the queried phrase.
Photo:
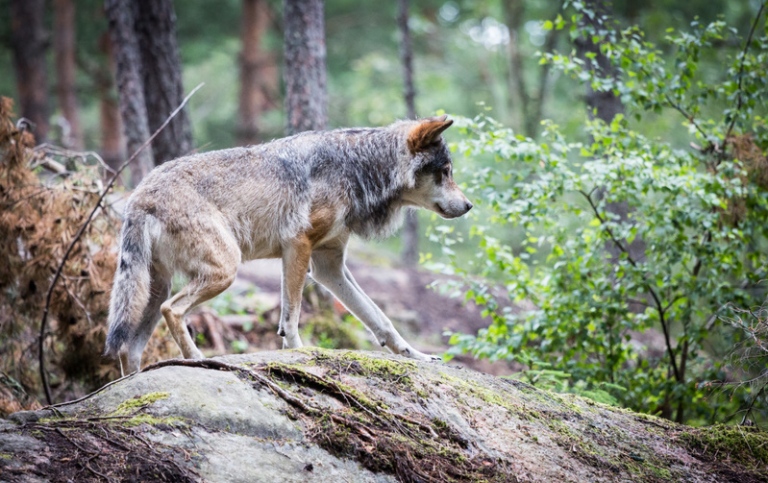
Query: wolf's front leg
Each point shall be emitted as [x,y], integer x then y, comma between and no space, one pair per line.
[328,269]
[295,265]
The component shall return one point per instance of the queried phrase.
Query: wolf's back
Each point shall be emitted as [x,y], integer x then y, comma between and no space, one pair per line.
[130,291]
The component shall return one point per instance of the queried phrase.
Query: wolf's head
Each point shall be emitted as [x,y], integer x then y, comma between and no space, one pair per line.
[435,189]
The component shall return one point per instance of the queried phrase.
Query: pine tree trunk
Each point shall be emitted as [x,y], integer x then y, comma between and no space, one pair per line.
[29,42]
[257,71]
[161,73]
[109,110]
[306,99]
[64,52]
[130,87]
[410,237]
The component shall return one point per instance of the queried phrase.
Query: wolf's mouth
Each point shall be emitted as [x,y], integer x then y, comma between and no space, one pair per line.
[440,211]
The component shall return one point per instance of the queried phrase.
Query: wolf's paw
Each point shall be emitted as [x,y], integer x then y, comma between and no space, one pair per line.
[412,353]
[194,353]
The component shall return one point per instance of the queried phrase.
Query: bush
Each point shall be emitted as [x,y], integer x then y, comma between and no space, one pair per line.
[632,248]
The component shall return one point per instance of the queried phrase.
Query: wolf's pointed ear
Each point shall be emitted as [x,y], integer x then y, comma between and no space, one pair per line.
[426,132]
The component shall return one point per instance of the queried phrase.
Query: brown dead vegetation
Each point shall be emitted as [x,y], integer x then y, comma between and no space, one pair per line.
[755,163]
[45,196]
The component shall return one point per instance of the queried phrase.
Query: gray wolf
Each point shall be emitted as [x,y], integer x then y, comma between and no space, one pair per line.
[299,199]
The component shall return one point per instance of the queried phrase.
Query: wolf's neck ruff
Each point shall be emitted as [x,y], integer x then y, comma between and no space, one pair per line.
[372,172]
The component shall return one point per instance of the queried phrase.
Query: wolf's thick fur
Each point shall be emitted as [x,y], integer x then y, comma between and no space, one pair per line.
[299,199]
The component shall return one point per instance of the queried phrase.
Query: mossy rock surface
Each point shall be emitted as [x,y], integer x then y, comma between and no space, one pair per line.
[325,415]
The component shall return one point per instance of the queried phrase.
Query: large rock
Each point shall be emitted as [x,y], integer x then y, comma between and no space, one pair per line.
[328,416]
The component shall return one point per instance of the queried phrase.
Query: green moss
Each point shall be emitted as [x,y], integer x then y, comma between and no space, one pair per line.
[362,362]
[139,402]
[6,456]
[744,445]
[388,369]
[54,419]
[153,421]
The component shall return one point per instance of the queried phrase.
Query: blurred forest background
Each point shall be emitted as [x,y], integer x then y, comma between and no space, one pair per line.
[631,131]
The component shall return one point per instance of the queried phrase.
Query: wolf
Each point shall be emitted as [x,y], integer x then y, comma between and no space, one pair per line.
[298,198]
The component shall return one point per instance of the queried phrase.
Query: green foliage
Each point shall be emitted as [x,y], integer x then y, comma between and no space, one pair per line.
[631,247]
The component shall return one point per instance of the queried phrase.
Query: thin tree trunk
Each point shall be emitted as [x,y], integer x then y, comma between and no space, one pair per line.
[603,105]
[155,27]
[29,42]
[130,87]
[306,99]
[518,93]
[531,104]
[109,110]
[256,71]
[410,254]
[64,52]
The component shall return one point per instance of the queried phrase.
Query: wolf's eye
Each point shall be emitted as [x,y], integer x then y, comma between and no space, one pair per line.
[447,171]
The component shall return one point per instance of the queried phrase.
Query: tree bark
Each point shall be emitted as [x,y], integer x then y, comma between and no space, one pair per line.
[306,99]
[603,105]
[531,103]
[258,73]
[64,53]
[29,42]
[109,111]
[130,86]
[410,254]
[155,27]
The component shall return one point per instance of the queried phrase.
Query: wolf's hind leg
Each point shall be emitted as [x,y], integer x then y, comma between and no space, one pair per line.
[328,269]
[295,264]
[215,267]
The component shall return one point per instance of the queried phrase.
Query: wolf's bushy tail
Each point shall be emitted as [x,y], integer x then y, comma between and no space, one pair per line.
[130,291]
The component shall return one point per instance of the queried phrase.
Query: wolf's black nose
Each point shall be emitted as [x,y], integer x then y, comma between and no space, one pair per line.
[469,206]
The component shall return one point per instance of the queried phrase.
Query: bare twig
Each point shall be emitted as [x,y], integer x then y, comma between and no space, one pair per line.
[59,151]
[57,275]
[688,116]
[751,405]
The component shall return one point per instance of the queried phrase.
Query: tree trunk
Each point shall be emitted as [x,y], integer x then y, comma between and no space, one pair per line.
[603,105]
[64,52]
[109,111]
[518,93]
[29,43]
[163,91]
[410,255]
[306,99]
[130,87]
[257,71]
[531,103]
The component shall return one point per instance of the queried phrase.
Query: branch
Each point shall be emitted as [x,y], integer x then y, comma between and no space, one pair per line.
[689,117]
[741,71]
[656,300]
[751,405]
[57,275]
